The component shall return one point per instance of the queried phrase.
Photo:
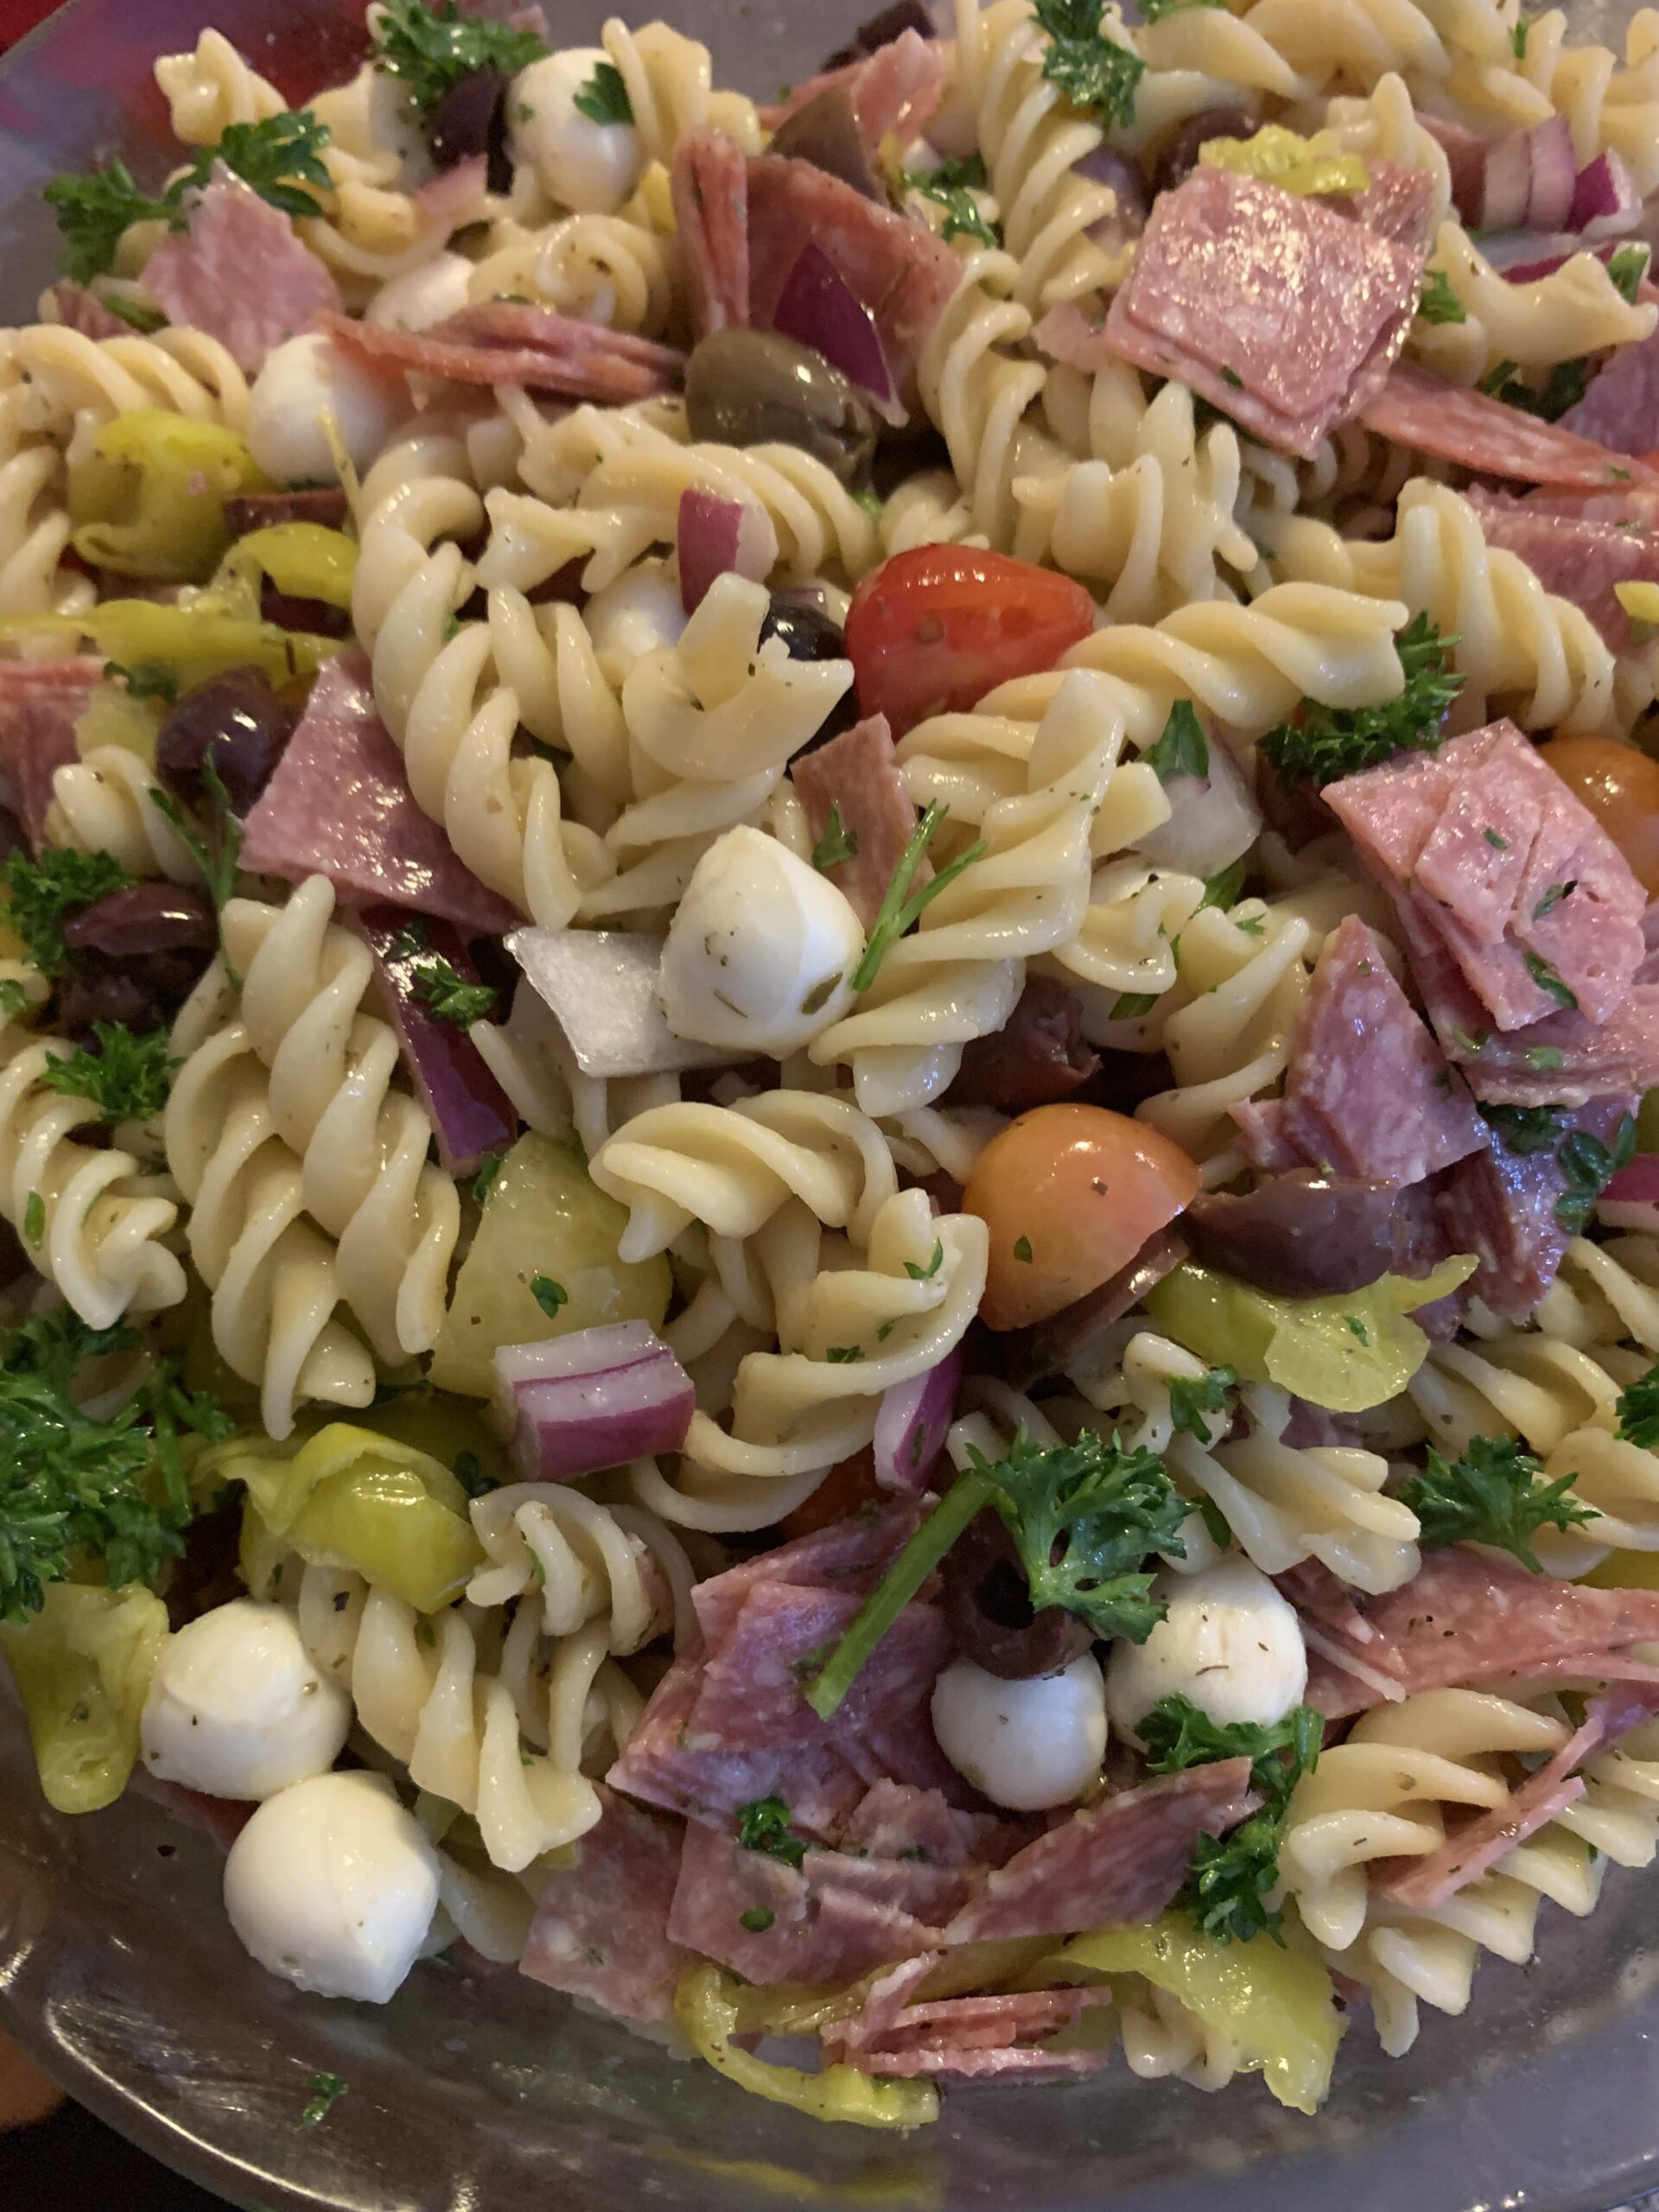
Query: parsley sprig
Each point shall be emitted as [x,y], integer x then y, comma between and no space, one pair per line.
[1232,1876]
[281,159]
[1084,1517]
[1587,1165]
[111,1491]
[1437,302]
[45,892]
[952,187]
[1096,75]
[127,1077]
[901,908]
[1330,742]
[431,50]
[1492,1494]
[763,1826]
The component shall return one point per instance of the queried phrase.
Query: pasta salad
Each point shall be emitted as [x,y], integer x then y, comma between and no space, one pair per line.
[829,1022]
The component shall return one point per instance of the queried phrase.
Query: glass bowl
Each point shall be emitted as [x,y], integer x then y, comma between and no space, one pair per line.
[483,2093]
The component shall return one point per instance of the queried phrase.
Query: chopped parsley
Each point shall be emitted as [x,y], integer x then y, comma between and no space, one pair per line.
[431,50]
[901,908]
[1223,890]
[483,1179]
[757,1919]
[548,1294]
[1132,1006]
[1518,38]
[1553,894]
[837,844]
[1564,387]
[43,892]
[1022,1250]
[604,97]
[327,2090]
[1330,742]
[763,1826]
[447,995]
[1232,1876]
[14,999]
[843,1355]
[1099,77]
[1547,979]
[1627,267]
[126,1077]
[1492,1494]
[145,679]
[1499,844]
[35,1221]
[1182,749]
[925,1274]
[1638,1411]
[1194,1398]
[1153,11]
[1525,1129]
[952,187]
[1589,1166]
[1438,302]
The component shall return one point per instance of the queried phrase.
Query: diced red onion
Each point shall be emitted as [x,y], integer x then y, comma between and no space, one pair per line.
[819,308]
[601,985]
[1605,198]
[912,1423]
[471,1114]
[716,535]
[1553,173]
[1509,183]
[1466,160]
[593,1398]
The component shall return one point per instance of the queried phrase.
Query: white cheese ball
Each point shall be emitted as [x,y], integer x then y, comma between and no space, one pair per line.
[430,294]
[1026,1744]
[236,1708]
[333,1885]
[588,165]
[760,951]
[1230,1641]
[640,614]
[303,380]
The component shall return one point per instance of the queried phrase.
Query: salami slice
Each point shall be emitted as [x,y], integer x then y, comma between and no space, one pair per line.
[1421,410]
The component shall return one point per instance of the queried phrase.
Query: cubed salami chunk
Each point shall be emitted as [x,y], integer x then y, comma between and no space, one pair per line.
[1122,1860]
[1579,559]
[1492,856]
[855,774]
[896,90]
[600,1930]
[80,309]
[501,343]
[710,186]
[340,805]
[1283,313]
[1419,409]
[903,274]
[1039,1055]
[1368,1092]
[1466,1618]
[1503,1207]
[41,701]
[239,273]
[1621,409]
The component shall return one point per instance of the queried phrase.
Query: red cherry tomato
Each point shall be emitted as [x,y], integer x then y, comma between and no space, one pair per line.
[933,630]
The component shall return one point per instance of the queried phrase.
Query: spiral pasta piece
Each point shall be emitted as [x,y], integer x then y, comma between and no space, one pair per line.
[669,79]
[104,804]
[1575,309]
[1353,42]
[69,375]
[586,1563]
[598,268]
[33,518]
[976,390]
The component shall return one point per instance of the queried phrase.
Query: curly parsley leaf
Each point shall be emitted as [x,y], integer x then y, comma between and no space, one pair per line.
[1199,1404]
[127,1077]
[952,187]
[281,158]
[1627,267]
[901,908]
[1493,1494]
[1232,1876]
[44,892]
[548,1294]
[431,50]
[1589,1167]
[763,1826]
[604,97]
[1329,742]
[327,2090]
[447,995]
[1437,302]
[1182,749]
[1638,1411]
[837,844]
[1096,74]
[92,213]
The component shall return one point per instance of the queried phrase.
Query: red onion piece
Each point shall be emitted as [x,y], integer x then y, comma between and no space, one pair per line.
[1466,160]
[595,1398]
[715,535]
[471,1114]
[819,308]
[1508,183]
[1605,198]
[1631,1199]
[910,1425]
[1554,173]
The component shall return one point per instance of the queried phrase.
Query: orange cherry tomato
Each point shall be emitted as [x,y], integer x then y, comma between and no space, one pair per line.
[1620,786]
[937,627]
[1070,1194]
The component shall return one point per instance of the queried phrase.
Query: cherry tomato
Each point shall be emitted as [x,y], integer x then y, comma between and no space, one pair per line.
[1070,1194]
[1620,786]
[939,627]
[850,1484]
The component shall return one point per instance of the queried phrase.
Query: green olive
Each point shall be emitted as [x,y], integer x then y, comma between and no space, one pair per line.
[753,387]
[825,133]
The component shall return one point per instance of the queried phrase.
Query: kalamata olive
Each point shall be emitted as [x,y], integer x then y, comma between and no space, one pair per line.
[105,995]
[15,1262]
[1026,1356]
[810,632]
[754,387]
[825,133]
[1039,1053]
[1301,1235]
[987,1608]
[143,919]
[1180,155]
[319,616]
[469,120]
[241,721]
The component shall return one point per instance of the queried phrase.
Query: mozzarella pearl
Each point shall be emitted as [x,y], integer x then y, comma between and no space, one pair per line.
[759,949]
[637,614]
[304,379]
[1230,1641]
[587,165]
[333,1885]
[236,1708]
[1026,1744]
[429,294]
